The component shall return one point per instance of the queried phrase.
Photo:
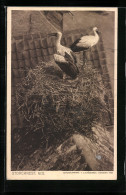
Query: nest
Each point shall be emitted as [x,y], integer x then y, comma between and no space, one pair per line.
[54,108]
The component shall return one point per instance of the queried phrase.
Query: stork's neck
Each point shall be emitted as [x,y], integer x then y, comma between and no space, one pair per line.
[58,41]
[96,34]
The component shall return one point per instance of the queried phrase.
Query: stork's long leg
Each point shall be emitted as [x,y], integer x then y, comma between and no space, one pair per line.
[84,58]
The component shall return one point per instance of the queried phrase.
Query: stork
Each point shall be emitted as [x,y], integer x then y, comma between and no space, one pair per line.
[65,58]
[86,42]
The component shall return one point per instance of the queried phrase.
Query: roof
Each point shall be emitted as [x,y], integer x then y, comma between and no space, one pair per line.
[25,22]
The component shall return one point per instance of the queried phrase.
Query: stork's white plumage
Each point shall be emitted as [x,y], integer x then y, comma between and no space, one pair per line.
[65,58]
[86,42]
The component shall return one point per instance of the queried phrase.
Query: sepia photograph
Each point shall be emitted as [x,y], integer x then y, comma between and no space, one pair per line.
[61,93]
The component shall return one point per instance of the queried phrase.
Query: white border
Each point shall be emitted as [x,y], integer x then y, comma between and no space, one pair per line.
[57,175]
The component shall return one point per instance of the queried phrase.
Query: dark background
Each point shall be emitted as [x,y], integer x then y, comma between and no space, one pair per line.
[66,186]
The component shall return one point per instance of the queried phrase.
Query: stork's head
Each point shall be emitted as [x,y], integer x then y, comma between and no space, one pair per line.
[96,29]
[59,33]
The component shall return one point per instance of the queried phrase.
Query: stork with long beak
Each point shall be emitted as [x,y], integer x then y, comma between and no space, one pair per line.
[65,58]
[86,42]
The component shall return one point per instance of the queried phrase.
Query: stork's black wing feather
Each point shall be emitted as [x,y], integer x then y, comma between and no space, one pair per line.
[76,42]
[74,47]
[74,56]
[69,58]
[71,63]
[68,66]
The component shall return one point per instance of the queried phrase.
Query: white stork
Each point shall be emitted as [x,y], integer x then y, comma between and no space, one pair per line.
[86,42]
[65,58]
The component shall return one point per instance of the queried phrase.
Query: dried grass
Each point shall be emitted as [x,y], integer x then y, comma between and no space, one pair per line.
[54,109]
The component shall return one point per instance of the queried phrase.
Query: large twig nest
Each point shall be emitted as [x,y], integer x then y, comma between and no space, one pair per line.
[54,109]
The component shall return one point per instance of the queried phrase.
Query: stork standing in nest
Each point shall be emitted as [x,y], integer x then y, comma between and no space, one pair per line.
[65,58]
[86,42]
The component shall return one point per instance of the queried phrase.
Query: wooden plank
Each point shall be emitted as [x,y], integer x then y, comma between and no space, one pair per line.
[26,45]
[18,37]
[27,37]
[37,44]
[104,69]
[95,55]
[18,73]
[101,39]
[14,56]
[27,63]
[94,48]
[34,62]
[21,63]
[33,53]
[63,41]
[15,81]
[20,46]
[51,57]
[54,49]
[88,55]
[44,43]
[35,36]
[100,47]
[103,62]
[22,72]
[102,55]
[15,73]
[26,54]
[13,47]
[50,51]
[20,56]
[69,40]
[13,91]
[51,41]
[31,44]
[14,121]
[14,64]
[46,58]
[38,52]
[96,63]
[45,52]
